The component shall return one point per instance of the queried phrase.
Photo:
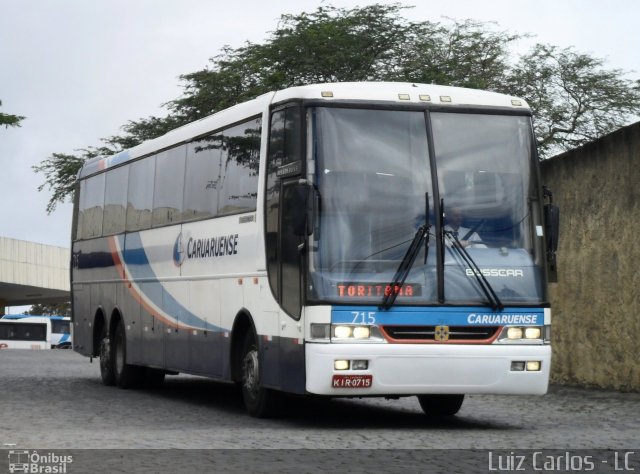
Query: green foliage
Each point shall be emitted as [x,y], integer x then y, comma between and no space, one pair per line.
[574,97]
[10,120]
[51,309]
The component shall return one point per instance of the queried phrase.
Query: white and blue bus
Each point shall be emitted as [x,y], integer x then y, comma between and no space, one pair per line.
[60,328]
[349,239]
[25,332]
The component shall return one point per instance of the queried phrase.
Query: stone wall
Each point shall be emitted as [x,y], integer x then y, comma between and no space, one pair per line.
[596,302]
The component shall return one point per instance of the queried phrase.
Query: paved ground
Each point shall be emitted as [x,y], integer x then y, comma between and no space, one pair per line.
[55,400]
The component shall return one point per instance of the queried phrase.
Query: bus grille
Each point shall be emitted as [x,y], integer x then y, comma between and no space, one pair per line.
[427,333]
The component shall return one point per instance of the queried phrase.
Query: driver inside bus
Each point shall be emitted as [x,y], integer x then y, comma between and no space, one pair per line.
[467,237]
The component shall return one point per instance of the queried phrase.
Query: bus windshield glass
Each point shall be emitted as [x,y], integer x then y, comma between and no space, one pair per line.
[373,173]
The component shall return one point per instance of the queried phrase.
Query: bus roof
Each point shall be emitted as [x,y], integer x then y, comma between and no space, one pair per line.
[392,92]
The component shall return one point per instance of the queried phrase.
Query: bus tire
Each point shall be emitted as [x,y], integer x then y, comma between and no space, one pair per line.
[126,375]
[440,405]
[106,361]
[260,402]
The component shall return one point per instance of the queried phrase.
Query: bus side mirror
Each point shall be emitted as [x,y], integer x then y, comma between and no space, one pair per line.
[552,233]
[302,210]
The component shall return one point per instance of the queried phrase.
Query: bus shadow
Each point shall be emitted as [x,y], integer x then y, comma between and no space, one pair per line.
[319,412]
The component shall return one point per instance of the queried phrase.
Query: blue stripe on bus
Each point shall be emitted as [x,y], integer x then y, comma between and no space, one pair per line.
[137,265]
[437,316]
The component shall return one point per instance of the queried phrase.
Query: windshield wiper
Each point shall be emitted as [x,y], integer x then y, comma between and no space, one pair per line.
[405,265]
[486,287]
[422,235]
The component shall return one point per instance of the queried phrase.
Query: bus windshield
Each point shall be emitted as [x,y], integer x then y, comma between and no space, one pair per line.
[373,172]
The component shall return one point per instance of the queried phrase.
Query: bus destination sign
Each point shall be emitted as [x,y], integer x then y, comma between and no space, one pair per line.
[352,289]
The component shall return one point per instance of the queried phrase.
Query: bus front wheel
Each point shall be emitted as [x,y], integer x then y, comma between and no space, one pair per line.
[440,405]
[259,401]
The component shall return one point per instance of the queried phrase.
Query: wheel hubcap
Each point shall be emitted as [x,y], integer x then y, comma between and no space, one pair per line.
[250,377]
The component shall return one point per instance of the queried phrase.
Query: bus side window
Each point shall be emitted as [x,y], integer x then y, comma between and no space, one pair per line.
[203,177]
[140,195]
[238,191]
[115,201]
[91,207]
[169,182]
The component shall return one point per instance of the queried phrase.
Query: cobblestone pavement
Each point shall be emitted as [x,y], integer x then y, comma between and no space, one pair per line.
[55,400]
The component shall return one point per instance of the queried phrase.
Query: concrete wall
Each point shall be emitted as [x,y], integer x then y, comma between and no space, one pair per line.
[32,273]
[596,302]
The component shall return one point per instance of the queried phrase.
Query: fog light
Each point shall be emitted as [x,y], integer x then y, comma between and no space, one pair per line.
[341,365]
[359,364]
[342,332]
[361,332]
[517,366]
[514,333]
[532,333]
[533,366]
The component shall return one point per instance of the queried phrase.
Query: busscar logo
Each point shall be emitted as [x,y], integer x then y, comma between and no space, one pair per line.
[34,462]
[497,272]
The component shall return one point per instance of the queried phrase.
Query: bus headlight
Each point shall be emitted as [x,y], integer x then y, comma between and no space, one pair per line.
[532,333]
[361,332]
[353,333]
[514,333]
[342,332]
[524,335]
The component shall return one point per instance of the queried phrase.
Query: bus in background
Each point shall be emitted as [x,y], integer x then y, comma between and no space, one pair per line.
[25,333]
[343,240]
[60,329]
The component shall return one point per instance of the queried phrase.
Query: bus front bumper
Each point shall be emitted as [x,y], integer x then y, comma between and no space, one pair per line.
[414,369]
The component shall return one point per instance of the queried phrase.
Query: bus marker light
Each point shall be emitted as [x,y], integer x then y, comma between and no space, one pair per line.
[445,98]
[516,102]
[517,366]
[404,96]
[425,97]
[341,365]
[326,94]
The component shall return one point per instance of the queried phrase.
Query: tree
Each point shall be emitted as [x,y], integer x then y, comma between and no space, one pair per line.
[51,309]
[10,120]
[574,97]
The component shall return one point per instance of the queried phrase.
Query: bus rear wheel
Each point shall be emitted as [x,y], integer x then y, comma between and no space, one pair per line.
[259,401]
[126,375]
[440,405]
[106,361]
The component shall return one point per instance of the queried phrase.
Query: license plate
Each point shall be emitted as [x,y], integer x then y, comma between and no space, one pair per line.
[352,381]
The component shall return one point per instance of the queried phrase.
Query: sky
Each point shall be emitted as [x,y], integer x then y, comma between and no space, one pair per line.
[79,70]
